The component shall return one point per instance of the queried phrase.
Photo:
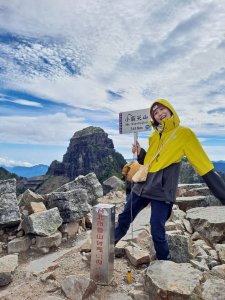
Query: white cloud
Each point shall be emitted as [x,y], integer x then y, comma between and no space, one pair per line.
[5,161]
[54,129]
[26,103]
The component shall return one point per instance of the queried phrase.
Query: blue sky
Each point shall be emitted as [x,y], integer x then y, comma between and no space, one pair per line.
[69,64]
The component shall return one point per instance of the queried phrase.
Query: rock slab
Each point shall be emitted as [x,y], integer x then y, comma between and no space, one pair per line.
[8,264]
[9,209]
[72,205]
[78,288]
[169,280]
[209,222]
[43,223]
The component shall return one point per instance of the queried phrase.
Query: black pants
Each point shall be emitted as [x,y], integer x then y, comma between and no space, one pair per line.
[160,213]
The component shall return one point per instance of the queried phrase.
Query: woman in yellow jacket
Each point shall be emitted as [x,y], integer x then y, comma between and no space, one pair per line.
[168,144]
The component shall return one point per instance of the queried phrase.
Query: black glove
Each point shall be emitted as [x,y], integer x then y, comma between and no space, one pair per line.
[215,184]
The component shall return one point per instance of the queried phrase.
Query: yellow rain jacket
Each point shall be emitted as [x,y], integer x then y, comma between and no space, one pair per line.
[175,142]
[183,143]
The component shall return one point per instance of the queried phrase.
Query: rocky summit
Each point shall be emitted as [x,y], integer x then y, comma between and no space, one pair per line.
[90,150]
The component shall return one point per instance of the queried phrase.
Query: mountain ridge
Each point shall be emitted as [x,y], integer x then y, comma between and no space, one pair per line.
[28,172]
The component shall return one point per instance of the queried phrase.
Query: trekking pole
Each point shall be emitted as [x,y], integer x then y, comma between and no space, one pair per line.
[129,274]
[131,207]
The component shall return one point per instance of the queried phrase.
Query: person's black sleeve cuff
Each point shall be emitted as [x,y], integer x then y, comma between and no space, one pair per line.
[141,156]
[216,184]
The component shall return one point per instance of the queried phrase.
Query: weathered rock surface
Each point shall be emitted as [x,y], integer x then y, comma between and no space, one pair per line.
[53,240]
[169,280]
[181,242]
[138,295]
[90,150]
[209,222]
[213,288]
[219,270]
[34,207]
[29,196]
[113,183]
[220,248]
[70,229]
[136,255]
[78,288]
[89,183]
[186,203]
[8,264]
[72,205]
[198,191]
[43,223]
[9,209]
[18,245]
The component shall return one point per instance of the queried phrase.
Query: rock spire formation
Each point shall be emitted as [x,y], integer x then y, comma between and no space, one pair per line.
[90,150]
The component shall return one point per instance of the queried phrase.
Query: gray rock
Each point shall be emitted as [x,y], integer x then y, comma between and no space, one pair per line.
[181,242]
[219,270]
[29,196]
[136,255]
[198,191]
[169,280]
[177,215]
[220,248]
[9,209]
[8,264]
[89,183]
[212,201]
[7,186]
[20,244]
[170,226]
[119,249]
[43,223]
[213,288]
[112,184]
[186,203]
[200,265]
[138,295]
[72,205]
[70,229]
[209,222]
[78,288]
[53,240]
[187,226]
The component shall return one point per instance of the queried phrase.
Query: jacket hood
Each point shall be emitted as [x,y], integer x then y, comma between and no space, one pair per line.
[165,123]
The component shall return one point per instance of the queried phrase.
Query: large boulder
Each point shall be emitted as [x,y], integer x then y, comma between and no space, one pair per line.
[20,244]
[43,223]
[112,184]
[209,222]
[169,280]
[78,288]
[72,205]
[181,242]
[29,196]
[8,265]
[9,209]
[89,183]
[213,288]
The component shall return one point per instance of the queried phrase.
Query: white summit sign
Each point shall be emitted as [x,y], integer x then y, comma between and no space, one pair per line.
[134,121]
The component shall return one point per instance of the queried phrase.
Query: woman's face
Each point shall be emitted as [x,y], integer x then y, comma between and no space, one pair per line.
[161,113]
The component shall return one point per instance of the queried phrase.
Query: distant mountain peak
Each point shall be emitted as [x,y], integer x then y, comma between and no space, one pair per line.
[90,150]
[88,131]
